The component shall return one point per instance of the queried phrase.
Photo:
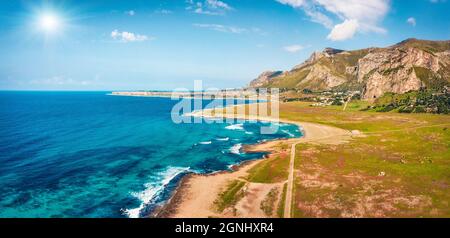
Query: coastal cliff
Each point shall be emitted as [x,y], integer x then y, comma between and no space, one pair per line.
[410,65]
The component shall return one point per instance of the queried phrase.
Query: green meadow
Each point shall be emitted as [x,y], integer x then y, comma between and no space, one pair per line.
[399,168]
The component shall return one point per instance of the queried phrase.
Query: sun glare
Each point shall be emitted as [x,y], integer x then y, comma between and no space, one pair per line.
[49,22]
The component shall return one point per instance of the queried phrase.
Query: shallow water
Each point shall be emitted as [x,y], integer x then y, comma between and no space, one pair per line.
[87,154]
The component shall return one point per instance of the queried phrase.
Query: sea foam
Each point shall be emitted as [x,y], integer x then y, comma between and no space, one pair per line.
[205,143]
[288,133]
[235,127]
[153,189]
[235,149]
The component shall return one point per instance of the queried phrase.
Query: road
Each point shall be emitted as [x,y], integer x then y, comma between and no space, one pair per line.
[290,185]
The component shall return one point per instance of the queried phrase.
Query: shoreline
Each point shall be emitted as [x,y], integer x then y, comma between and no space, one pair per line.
[170,208]
[195,193]
[170,95]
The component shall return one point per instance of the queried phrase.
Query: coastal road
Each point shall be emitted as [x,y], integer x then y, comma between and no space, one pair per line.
[290,185]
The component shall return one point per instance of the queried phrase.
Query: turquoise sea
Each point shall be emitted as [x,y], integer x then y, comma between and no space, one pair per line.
[88,154]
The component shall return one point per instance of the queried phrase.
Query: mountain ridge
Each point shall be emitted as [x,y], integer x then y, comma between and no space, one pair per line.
[409,65]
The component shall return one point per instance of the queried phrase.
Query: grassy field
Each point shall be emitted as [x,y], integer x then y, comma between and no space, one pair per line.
[230,196]
[400,168]
[271,170]
[280,209]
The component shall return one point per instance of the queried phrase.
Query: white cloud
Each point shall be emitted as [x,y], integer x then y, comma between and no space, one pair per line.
[222,28]
[411,21]
[344,31]
[164,11]
[368,13]
[218,4]
[293,48]
[208,7]
[59,81]
[231,29]
[293,3]
[128,36]
[130,13]
[318,17]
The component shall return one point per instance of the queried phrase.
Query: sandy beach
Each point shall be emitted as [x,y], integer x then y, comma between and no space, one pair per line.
[196,193]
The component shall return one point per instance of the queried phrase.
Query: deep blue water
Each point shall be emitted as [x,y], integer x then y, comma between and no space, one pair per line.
[88,154]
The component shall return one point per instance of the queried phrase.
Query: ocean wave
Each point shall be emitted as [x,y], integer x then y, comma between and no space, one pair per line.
[249,133]
[230,166]
[235,149]
[235,127]
[288,133]
[279,124]
[223,139]
[205,143]
[153,189]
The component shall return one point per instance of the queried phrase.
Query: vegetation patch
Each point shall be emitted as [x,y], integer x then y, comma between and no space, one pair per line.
[281,204]
[424,101]
[268,204]
[271,170]
[232,194]
[392,70]
[289,81]
[432,81]
[431,47]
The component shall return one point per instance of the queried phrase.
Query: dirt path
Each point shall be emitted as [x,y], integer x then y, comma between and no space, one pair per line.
[290,185]
[313,133]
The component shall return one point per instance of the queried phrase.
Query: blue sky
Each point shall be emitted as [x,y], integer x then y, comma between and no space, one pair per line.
[136,44]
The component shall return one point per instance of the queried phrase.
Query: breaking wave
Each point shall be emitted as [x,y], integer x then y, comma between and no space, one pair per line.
[153,190]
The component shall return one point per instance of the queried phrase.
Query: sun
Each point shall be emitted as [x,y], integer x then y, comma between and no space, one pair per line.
[49,22]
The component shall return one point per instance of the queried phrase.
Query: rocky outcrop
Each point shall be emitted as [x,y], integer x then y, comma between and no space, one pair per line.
[320,77]
[392,70]
[264,78]
[410,65]
[332,51]
[316,56]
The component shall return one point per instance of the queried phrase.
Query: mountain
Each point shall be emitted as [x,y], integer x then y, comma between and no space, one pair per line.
[264,78]
[407,66]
